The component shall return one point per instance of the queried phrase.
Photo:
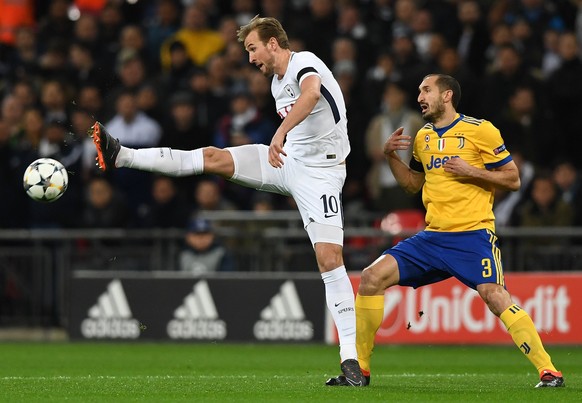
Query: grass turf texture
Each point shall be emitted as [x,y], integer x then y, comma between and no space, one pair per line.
[86,372]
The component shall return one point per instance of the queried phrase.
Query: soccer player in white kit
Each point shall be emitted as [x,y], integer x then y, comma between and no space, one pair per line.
[306,160]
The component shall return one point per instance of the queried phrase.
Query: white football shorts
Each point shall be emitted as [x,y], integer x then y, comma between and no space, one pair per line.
[316,190]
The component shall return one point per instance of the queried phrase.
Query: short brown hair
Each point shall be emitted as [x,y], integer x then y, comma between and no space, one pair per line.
[267,28]
[446,82]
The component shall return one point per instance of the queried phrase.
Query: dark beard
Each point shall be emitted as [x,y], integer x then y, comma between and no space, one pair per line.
[432,117]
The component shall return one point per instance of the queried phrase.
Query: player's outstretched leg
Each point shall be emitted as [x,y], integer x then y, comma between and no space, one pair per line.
[352,375]
[107,147]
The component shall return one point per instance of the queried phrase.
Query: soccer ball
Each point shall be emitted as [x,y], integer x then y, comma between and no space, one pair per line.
[45,180]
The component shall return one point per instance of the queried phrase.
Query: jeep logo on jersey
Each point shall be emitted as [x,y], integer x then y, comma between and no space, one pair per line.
[289,91]
[197,317]
[438,162]
[284,318]
[111,316]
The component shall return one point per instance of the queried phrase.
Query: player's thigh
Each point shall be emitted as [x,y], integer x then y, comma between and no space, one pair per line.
[419,260]
[317,193]
[252,169]
[474,258]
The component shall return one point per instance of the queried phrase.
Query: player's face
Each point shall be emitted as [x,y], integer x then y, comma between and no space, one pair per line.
[430,99]
[259,54]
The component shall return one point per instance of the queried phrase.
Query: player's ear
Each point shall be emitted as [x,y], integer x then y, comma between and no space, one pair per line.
[448,95]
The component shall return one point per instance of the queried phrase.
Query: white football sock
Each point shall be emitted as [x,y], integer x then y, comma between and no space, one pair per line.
[339,296]
[162,160]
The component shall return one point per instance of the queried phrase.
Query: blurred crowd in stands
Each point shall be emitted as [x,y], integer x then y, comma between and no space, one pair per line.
[172,73]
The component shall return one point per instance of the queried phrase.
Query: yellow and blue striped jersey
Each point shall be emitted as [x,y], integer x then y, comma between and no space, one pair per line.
[455,203]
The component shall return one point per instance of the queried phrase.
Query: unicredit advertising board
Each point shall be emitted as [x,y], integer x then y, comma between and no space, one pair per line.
[450,312]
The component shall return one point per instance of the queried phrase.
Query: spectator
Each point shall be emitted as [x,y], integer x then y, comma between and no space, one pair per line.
[25,92]
[244,124]
[350,25]
[131,74]
[105,207]
[219,79]
[131,125]
[54,101]
[56,25]
[168,209]
[319,29]
[90,98]
[377,76]
[538,14]
[150,102]
[523,122]
[385,192]
[13,208]
[22,59]
[509,72]
[132,39]
[164,24]
[500,36]
[176,76]
[551,54]
[53,62]
[208,197]
[200,41]
[449,62]
[33,126]
[506,202]
[422,33]
[135,127]
[203,253]
[569,181]
[544,207]
[86,30]
[260,90]
[210,105]
[563,91]
[83,69]
[473,37]
[12,113]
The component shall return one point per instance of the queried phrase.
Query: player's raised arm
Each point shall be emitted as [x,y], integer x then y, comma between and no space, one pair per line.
[411,181]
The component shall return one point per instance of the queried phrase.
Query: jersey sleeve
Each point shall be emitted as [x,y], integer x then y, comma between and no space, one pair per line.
[304,66]
[492,147]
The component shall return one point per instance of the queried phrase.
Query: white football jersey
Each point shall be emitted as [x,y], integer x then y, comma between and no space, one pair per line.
[321,139]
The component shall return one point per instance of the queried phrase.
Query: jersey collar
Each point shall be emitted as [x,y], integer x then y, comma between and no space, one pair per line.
[442,130]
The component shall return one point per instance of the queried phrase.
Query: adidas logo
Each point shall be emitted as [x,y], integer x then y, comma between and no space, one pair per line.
[197,317]
[284,318]
[111,316]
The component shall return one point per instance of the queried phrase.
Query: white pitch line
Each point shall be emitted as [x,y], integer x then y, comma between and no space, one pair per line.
[193,377]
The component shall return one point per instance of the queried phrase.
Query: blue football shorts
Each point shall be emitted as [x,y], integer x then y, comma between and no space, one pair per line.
[473,257]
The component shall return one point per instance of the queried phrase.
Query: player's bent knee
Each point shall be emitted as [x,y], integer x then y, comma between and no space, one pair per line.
[495,296]
[218,161]
[380,275]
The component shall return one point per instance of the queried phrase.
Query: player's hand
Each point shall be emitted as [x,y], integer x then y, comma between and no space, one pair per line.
[276,149]
[458,166]
[397,141]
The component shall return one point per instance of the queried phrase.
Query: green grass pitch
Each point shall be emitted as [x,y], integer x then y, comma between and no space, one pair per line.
[142,372]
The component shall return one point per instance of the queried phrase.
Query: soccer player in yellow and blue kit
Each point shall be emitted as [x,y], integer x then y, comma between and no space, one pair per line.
[458,161]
